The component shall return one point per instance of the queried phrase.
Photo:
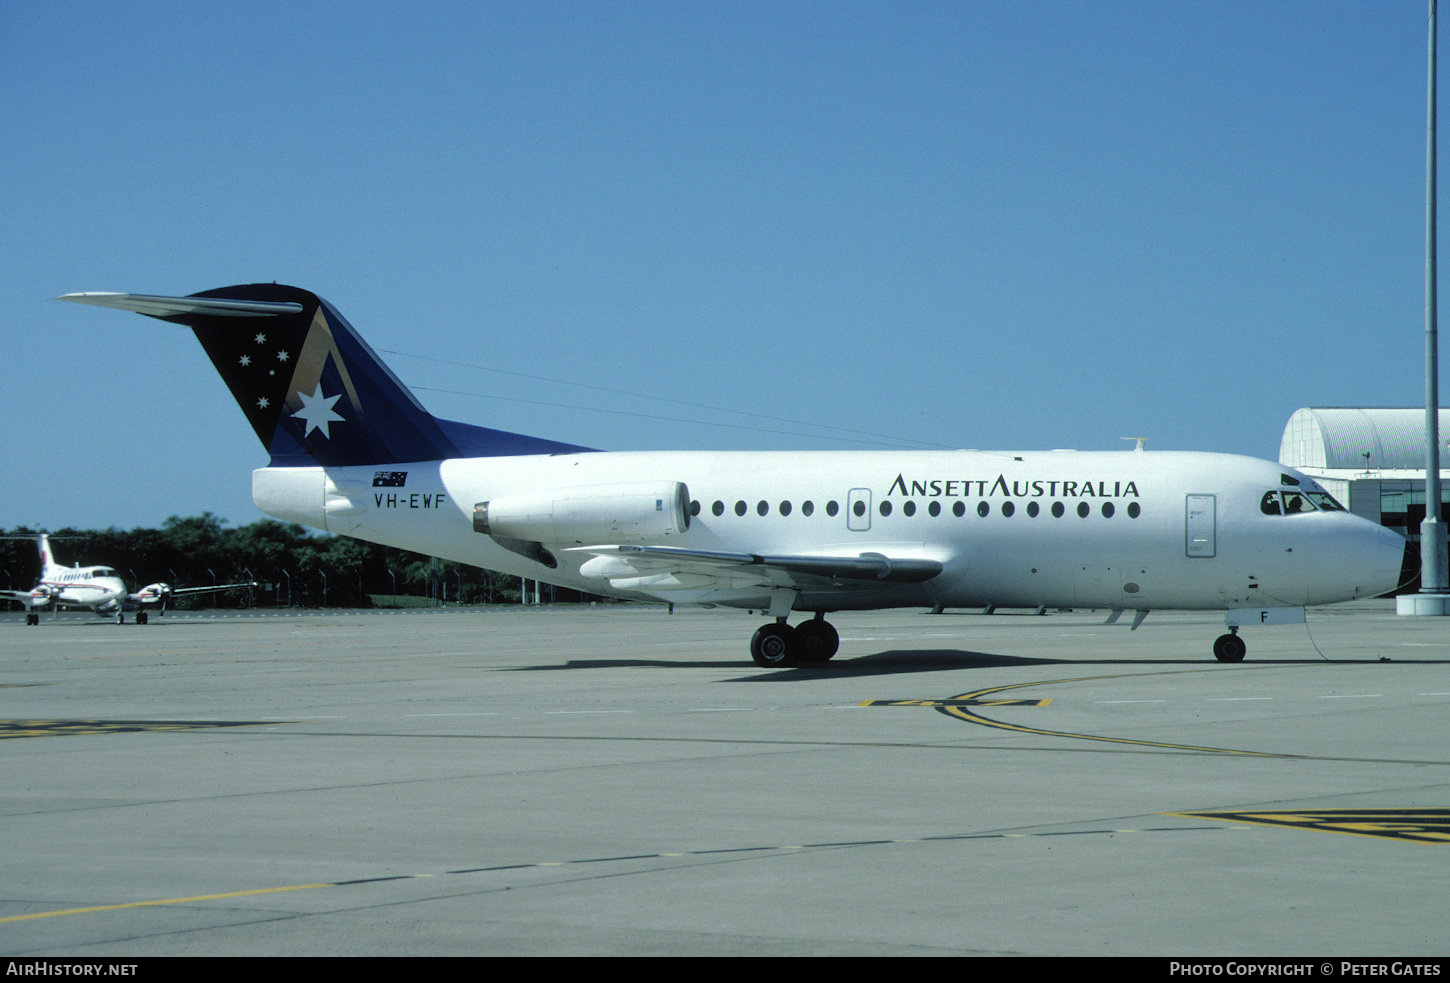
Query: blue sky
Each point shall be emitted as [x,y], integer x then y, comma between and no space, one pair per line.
[1006,225]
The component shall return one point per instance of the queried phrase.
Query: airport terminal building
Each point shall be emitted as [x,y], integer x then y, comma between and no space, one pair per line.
[1371,460]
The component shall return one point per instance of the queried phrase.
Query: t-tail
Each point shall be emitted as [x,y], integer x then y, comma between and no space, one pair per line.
[313,390]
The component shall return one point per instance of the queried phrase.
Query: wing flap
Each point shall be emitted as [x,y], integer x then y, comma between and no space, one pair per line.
[620,563]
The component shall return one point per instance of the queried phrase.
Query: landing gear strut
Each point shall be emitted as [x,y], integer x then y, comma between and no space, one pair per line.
[1229,648]
[778,645]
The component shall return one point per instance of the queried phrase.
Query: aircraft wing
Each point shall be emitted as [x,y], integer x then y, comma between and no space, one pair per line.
[662,568]
[26,597]
[175,591]
[153,593]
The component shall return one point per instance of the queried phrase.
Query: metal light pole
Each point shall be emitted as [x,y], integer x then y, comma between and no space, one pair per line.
[1432,598]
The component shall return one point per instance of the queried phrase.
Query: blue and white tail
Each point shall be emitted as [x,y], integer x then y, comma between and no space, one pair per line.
[312,389]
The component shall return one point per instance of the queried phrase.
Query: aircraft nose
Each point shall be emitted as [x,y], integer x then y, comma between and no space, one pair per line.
[1387,561]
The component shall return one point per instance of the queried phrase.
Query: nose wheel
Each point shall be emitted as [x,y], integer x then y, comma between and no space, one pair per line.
[1229,648]
[778,645]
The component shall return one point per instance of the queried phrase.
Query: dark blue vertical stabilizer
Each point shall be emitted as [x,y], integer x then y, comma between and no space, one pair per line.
[313,390]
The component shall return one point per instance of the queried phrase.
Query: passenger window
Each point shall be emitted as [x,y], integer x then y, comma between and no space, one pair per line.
[934,509]
[808,507]
[740,508]
[785,508]
[718,508]
[909,509]
[832,508]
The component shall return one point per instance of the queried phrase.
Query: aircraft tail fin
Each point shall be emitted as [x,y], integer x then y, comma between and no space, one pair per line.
[48,563]
[313,390]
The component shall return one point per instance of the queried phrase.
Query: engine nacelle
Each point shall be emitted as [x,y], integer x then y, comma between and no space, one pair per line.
[589,514]
[155,593]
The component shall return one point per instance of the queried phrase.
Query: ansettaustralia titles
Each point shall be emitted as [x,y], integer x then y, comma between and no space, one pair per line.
[1015,488]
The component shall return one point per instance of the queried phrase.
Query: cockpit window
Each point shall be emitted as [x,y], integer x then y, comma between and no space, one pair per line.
[1296,502]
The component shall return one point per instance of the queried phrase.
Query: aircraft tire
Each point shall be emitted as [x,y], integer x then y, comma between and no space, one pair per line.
[32,619]
[141,617]
[1229,648]
[774,646]
[816,640]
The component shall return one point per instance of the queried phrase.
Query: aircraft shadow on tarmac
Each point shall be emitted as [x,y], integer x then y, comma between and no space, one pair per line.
[902,661]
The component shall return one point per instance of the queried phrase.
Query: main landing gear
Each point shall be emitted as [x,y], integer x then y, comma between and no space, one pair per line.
[1229,648]
[778,645]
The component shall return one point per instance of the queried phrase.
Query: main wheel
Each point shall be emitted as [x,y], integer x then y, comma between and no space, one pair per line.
[816,640]
[773,646]
[1229,648]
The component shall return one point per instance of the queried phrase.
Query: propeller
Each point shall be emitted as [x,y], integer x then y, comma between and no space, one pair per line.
[161,594]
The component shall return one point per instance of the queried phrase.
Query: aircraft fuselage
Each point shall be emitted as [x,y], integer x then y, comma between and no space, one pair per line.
[1129,529]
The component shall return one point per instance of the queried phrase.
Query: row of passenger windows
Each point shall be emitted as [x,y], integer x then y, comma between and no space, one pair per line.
[933,508]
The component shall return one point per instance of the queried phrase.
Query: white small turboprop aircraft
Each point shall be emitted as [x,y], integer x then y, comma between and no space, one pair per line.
[97,588]
[354,453]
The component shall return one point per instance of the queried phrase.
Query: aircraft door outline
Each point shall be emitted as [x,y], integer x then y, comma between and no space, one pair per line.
[1200,526]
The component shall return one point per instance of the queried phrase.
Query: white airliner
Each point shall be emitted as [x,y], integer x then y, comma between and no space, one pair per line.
[354,453]
[98,588]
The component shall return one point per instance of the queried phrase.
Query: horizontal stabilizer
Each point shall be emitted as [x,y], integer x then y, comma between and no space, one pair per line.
[156,306]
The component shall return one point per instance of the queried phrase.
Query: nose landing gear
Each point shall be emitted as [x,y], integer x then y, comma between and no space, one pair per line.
[1229,648]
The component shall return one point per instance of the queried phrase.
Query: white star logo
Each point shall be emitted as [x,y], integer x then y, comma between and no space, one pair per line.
[260,339]
[317,411]
[246,360]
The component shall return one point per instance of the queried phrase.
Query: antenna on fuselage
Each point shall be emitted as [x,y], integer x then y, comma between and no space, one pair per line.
[1142,443]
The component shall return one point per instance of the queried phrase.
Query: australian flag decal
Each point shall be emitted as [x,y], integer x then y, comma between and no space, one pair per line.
[390,479]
